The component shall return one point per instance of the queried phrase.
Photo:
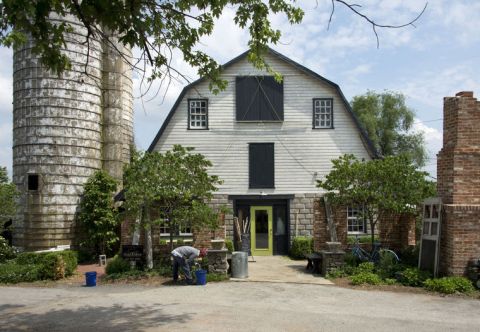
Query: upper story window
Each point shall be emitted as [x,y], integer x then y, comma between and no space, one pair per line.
[355,222]
[322,113]
[261,165]
[258,98]
[197,114]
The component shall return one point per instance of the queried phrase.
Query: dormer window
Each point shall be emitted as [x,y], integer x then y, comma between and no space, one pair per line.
[322,113]
[259,98]
[198,114]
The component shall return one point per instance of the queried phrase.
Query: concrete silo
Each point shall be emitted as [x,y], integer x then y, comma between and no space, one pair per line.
[65,128]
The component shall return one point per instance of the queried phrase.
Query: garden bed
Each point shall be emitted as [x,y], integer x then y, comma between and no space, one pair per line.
[398,288]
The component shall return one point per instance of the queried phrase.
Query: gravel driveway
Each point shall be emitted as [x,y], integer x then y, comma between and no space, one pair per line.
[231,306]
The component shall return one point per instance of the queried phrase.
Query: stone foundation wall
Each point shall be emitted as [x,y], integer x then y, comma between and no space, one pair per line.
[302,218]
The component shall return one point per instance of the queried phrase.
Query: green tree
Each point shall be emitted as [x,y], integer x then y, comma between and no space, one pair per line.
[98,215]
[381,186]
[175,185]
[388,122]
[155,27]
[3,175]
[8,197]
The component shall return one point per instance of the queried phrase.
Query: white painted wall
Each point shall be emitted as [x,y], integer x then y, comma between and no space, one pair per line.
[300,151]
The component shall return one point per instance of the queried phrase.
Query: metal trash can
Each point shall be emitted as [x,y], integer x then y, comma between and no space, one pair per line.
[239,264]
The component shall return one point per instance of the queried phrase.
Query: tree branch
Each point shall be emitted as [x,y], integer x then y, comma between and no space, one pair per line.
[374,24]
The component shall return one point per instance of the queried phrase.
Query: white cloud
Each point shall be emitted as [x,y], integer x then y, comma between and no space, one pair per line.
[430,87]
[433,141]
[465,19]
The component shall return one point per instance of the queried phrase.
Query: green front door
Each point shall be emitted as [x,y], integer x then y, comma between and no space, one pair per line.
[261,230]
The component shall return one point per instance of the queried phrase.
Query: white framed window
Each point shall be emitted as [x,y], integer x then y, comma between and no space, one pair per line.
[322,113]
[184,229]
[164,230]
[355,223]
[198,114]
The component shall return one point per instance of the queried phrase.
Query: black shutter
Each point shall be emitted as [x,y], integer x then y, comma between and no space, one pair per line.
[258,98]
[247,98]
[261,165]
[272,103]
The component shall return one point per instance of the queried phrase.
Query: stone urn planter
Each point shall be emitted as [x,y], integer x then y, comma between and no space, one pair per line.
[334,246]
[218,244]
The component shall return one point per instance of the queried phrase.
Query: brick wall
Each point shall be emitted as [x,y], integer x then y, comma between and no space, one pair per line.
[321,234]
[395,231]
[200,239]
[458,173]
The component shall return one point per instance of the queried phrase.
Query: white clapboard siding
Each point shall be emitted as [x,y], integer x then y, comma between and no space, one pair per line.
[302,154]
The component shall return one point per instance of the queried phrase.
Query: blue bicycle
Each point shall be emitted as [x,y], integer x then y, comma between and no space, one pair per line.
[376,254]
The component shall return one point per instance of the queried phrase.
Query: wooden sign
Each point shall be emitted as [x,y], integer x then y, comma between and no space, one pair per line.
[132,253]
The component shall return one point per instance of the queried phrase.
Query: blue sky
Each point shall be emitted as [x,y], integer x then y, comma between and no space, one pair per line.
[437,58]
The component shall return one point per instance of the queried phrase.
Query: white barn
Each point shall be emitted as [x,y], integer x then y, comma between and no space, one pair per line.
[269,142]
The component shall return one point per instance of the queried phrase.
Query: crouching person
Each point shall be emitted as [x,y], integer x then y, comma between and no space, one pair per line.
[184,257]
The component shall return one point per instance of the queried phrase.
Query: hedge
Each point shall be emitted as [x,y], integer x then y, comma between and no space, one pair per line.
[301,247]
[48,265]
[12,273]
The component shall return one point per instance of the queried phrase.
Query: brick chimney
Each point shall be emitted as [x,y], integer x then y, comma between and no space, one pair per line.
[458,183]
[458,167]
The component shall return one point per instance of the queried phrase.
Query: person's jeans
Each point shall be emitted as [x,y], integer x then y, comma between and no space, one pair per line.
[182,263]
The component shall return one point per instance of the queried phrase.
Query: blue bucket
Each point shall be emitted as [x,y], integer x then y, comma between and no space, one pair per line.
[201,276]
[91,279]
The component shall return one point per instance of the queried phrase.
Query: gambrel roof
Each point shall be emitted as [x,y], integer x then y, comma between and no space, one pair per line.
[371,149]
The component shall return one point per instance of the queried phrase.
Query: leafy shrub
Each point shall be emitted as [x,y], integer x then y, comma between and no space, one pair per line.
[229,245]
[336,273]
[389,281]
[215,277]
[361,239]
[6,252]
[449,285]
[351,259]
[52,267]
[69,258]
[71,261]
[409,255]
[365,278]
[26,258]
[128,275]
[301,246]
[180,242]
[413,277]
[204,263]
[387,266]
[85,255]
[12,272]
[117,265]
[164,268]
[365,267]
